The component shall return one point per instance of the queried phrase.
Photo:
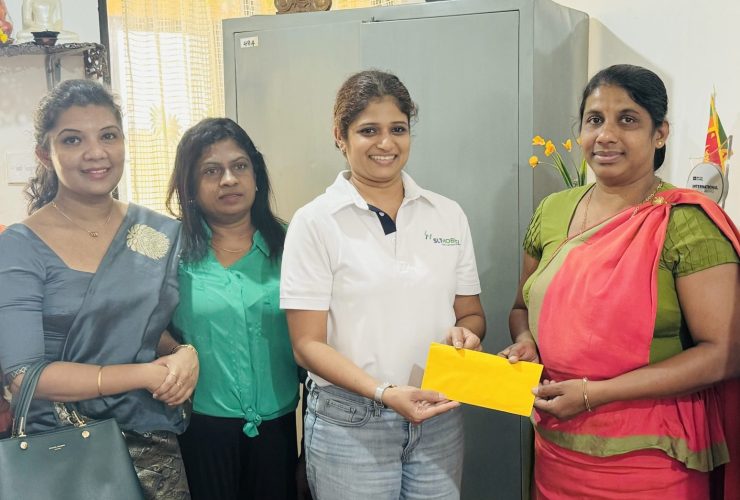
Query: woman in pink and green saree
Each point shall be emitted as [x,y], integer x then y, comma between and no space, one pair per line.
[629,297]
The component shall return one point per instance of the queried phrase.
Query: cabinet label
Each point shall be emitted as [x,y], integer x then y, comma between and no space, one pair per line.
[249,42]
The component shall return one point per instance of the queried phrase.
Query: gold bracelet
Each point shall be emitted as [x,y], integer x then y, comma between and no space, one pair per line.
[184,346]
[100,381]
[585,394]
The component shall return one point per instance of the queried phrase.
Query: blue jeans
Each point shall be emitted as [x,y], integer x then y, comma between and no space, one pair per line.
[357,448]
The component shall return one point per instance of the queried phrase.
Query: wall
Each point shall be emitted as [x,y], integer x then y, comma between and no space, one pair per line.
[22,83]
[686,42]
[691,45]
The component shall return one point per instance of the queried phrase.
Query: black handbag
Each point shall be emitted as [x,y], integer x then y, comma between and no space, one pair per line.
[89,460]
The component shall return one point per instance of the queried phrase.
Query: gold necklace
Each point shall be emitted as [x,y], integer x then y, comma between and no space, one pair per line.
[238,250]
[91,234]
[585,211]
[648,198]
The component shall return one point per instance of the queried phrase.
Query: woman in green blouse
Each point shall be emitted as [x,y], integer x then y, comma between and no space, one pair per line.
[628,297]
[241,442]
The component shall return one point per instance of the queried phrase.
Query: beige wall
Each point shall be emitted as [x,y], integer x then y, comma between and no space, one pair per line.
[692,46]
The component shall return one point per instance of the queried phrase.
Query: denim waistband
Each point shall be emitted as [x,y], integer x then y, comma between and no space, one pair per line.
[343,393]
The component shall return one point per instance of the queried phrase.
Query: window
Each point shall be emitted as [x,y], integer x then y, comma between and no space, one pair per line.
[167,66]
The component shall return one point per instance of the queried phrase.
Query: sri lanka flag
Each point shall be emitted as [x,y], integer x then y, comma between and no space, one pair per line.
[715,150]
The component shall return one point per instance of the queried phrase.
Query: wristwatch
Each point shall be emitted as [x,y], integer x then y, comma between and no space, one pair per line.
[380,390]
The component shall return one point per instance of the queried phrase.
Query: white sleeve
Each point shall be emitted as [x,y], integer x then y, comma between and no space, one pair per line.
[306,276]
[468,282]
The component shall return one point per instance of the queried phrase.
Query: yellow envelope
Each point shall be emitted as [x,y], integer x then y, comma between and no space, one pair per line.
[481,379]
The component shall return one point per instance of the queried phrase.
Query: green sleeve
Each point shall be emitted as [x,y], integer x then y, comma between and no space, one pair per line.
[694,243]
[532,239]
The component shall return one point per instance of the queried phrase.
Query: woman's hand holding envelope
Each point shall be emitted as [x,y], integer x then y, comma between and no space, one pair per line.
[417,405]
[461,338]
[524,349]
[481,379]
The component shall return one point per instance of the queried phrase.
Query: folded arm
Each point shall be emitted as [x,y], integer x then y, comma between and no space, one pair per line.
[66,382]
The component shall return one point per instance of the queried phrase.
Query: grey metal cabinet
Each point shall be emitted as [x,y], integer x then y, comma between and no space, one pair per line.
[487,75]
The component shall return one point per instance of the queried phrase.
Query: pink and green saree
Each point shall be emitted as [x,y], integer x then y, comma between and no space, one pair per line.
[603,303]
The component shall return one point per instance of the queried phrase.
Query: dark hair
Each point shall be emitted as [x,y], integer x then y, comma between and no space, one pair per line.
[184,183]
[361,88]
[643,86]
[42,188]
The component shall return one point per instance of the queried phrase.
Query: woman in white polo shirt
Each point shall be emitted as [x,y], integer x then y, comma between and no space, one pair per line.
[373,271]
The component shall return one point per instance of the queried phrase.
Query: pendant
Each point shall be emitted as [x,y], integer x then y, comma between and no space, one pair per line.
[93,234]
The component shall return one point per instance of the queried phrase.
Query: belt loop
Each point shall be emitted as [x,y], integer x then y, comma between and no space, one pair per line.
[310,386]
[376,408]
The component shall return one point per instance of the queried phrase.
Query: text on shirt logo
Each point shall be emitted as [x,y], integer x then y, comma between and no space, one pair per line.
[446,242]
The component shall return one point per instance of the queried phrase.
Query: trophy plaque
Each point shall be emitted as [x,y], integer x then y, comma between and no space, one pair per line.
[708,178]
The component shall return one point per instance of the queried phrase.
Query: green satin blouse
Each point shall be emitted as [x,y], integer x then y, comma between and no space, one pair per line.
[232,316]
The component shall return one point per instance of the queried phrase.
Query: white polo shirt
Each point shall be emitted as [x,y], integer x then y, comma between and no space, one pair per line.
[388,296]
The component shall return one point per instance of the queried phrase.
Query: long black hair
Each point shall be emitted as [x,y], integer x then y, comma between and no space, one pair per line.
[184,187]
[643,86]
[43,187]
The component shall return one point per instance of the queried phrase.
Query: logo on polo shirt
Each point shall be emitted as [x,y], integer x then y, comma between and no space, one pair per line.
[445,242]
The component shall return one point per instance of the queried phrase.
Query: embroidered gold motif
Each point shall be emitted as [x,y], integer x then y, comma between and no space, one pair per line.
[147,241]
[659,200]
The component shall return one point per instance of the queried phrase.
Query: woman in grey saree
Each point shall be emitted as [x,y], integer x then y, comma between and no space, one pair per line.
[89,284]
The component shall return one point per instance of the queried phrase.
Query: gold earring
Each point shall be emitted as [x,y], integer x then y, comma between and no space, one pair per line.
[660,144]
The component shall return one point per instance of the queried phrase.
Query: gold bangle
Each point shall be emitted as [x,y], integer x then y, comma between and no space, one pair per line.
[585,395]
[184,346]
[100,381]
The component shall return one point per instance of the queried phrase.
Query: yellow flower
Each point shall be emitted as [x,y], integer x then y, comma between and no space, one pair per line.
[564,166]
[538,141]
[3,37]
